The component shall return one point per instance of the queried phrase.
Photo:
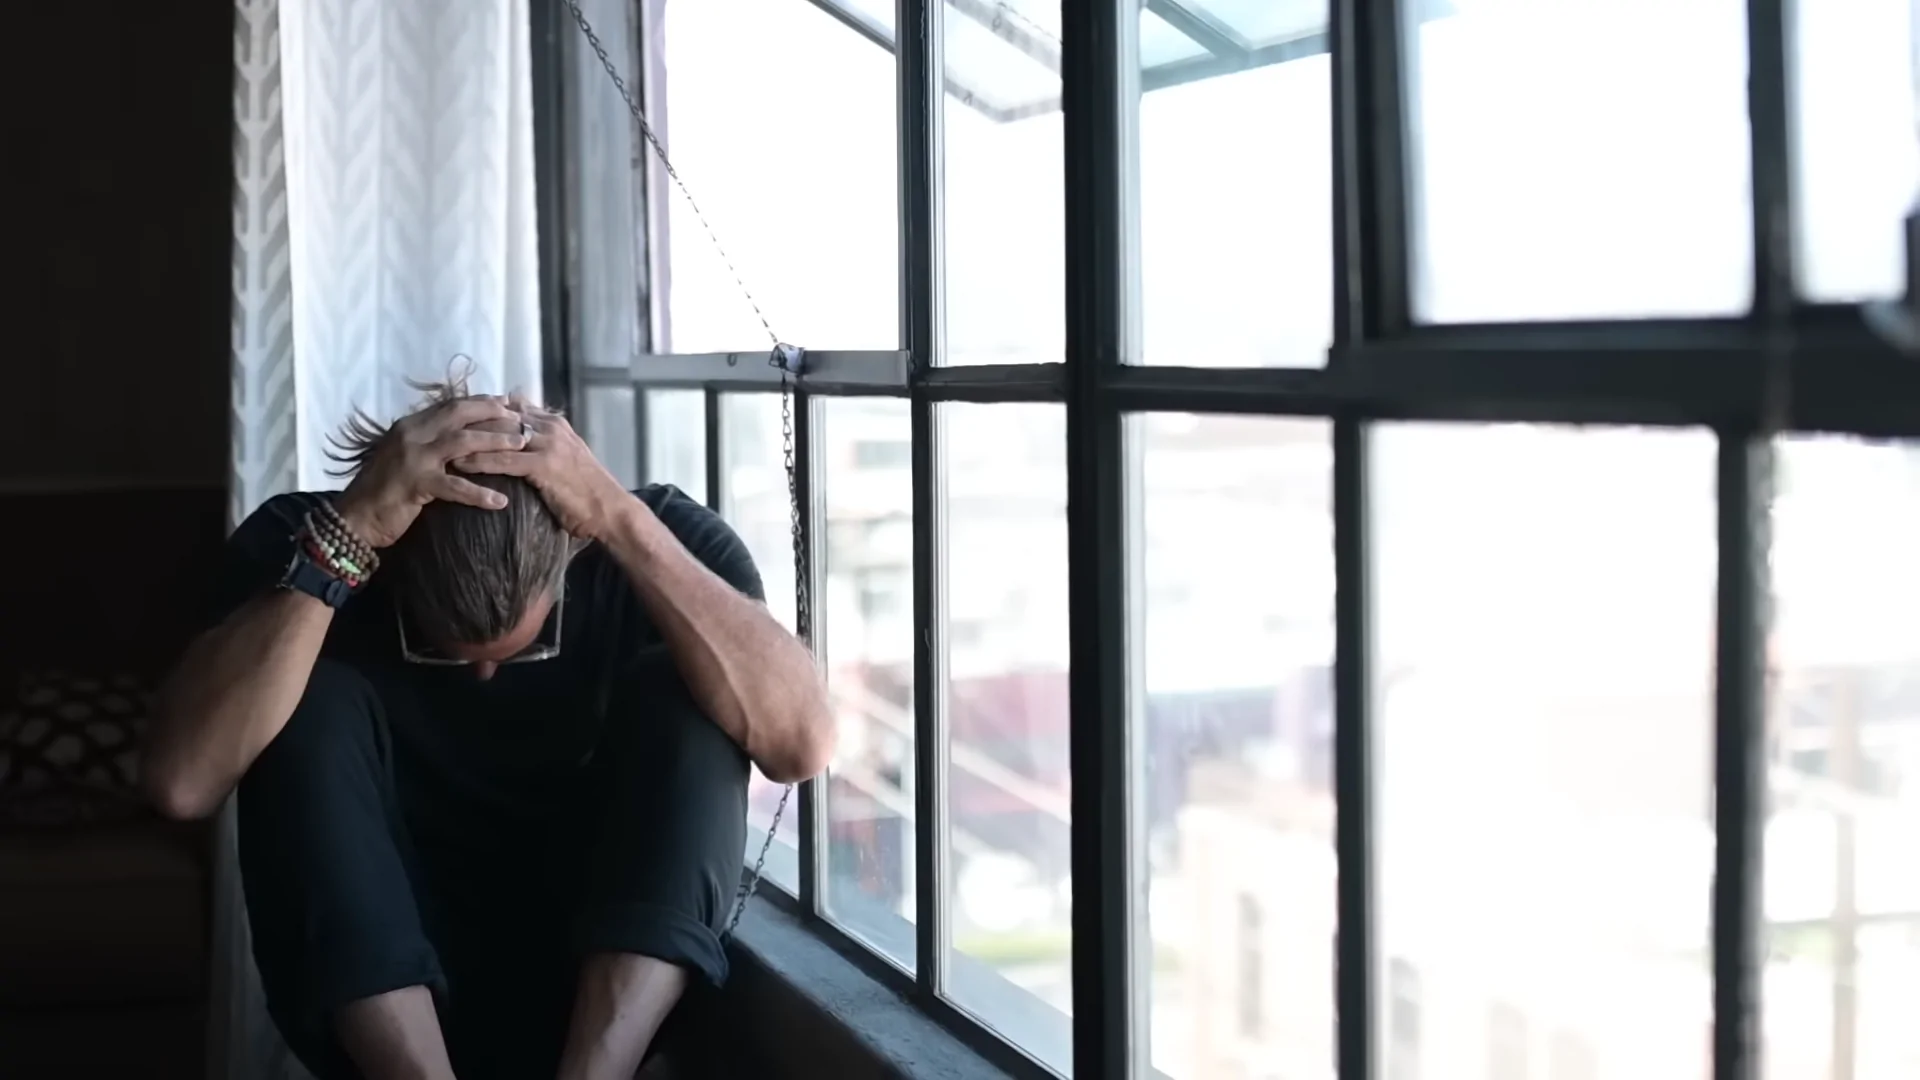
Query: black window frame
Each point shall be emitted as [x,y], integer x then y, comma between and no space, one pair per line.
[1784,367]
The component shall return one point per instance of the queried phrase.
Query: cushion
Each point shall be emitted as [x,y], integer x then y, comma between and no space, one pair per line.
[110,914]
[147,1042]
[69,749]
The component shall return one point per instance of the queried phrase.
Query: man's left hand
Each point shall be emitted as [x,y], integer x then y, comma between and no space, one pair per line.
[558,463]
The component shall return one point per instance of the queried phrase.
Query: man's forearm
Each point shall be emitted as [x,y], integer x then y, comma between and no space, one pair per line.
[229,697]
[755,680]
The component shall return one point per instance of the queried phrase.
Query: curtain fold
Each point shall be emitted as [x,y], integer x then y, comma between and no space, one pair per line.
[384,224]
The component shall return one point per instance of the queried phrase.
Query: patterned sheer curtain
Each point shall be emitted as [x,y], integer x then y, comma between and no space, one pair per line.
[384,223]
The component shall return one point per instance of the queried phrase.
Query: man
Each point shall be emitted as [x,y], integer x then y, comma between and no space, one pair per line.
[490,717]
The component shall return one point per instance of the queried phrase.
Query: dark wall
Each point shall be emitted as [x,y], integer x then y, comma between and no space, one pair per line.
[118,164]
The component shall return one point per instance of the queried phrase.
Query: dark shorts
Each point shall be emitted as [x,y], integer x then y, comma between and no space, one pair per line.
[377,853]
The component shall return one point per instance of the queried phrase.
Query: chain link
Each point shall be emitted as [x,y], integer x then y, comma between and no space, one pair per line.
[803,615]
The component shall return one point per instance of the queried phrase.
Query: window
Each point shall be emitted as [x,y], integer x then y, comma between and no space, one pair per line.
[1855,162]
[1506,1043]
[794,176]
[1237,640]
[866,635]
[1403,1020]
[1842,911]
[1571,1058]
[1544,679]
[1251,954]
[1326,511]
[677,440]
[1615,186]
[1236,197]
[609,428]
[1009,889]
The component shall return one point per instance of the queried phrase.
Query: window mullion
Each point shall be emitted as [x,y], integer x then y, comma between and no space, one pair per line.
[716,453]
[809,577]
[1740,768]
[1098,166]
[1371,192]
[1770,131]
[1355,952]
[919,112]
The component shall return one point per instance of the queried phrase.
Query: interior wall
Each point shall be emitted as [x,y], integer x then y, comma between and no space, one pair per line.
[120,166]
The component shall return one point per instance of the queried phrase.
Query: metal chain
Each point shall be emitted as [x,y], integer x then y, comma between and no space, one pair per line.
[803,620]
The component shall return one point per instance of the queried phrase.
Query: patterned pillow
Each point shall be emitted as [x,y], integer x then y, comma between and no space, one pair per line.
[69,748]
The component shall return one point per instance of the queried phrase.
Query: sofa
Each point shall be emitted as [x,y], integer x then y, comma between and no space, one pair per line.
[104,908]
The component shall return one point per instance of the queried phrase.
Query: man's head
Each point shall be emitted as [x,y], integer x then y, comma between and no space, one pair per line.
[475,585]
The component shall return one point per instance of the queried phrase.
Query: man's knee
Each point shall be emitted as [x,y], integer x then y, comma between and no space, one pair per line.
[672,832]
[666,754]
[325,771]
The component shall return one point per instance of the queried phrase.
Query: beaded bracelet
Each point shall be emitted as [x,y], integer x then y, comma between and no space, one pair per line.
[362,550]
[332,544]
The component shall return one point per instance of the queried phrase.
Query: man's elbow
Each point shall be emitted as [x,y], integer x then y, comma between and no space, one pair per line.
[811,750]
[175,795]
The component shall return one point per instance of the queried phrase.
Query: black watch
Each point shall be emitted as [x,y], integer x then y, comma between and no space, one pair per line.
[305,575]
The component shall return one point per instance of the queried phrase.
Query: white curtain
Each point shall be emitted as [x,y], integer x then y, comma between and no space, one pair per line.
[384,224]
[409,147]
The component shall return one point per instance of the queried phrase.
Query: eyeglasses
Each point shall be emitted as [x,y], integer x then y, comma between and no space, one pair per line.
[536,651]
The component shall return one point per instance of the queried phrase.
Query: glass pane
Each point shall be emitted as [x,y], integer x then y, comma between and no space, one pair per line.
[603,279]
[677,440]
[1855,151]
[1008,60]
[1238,606]
[754,500]
[1036,21]
[608,429]
[797,175]
[1842,893]
[1544,687]
[1160,43]
[1010,890]
[1236,218]
[866,628]
[1003,185]
[1267,22]
[1580,160]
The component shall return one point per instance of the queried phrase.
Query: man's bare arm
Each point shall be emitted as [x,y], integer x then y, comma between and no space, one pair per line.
[756,680]
[227,699]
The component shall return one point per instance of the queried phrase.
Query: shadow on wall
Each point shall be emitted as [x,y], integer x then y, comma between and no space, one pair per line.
[120,173]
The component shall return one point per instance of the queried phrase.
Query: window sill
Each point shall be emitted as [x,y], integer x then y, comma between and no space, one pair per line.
[817,1012]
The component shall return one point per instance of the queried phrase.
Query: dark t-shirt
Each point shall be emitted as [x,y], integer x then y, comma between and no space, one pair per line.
[484,762]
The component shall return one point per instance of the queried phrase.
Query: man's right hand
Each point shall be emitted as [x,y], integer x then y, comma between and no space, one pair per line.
[408,469]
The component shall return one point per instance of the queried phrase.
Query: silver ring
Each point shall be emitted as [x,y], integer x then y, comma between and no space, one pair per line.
[526,431]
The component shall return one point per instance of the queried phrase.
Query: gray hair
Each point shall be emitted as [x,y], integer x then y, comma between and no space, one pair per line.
[464,574]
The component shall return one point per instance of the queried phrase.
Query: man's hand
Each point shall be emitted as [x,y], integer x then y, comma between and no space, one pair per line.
[408,469]
[558,463]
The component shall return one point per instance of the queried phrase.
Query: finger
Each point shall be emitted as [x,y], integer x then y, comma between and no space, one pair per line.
[458,489]
[499,463]
[539,419]
[465,441]
[465,413]
[549,429]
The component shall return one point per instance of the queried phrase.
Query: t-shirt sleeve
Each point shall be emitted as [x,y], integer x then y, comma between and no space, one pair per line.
[256,556]
[708,537]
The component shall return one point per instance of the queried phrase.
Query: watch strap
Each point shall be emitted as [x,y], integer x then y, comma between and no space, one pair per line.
[304,575]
